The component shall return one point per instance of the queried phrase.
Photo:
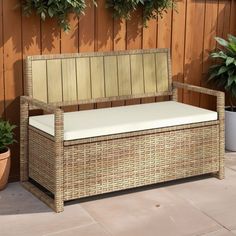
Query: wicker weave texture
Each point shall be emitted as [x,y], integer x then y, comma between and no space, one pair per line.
[117,164]
[41,160]
[112,165]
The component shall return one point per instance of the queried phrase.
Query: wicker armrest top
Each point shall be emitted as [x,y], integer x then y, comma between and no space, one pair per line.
[39,104]
[220,95]
[198,89]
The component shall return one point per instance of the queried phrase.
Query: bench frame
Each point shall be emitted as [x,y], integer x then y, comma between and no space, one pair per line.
[101,170]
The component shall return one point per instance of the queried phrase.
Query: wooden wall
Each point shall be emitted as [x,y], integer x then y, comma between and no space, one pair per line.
[189,32]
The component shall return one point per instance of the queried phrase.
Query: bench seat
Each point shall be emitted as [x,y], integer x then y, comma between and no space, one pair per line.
[115,120]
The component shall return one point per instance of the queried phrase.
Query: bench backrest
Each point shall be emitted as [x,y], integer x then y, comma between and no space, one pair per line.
[93,77]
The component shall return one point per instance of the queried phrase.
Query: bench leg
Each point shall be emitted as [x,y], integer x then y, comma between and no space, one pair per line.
[58,204]
[54,204]
[219,174]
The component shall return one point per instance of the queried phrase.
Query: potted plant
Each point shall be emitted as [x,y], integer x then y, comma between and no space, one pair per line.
[6,139]
[223,75]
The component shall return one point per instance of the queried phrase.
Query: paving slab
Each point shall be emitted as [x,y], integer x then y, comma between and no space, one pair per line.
[87,230]
[192,207]
[221,232]
[216,198]
[22,214]
[152,212]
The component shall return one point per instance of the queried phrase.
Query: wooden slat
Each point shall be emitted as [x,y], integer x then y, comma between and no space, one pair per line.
[103,34]
[223,18]
[12,41]
[50,38]
[164,30]
[39,80]
[87,40]
[137,74]
[209,44]
[54,80]
[111,80]
[119,44]
[134,30]
[161,72]
[149,41]
[149,73]
[124,75]
[69,80]
[150,34]
[134,40]
[178,40]
[97,77]
[233,18]
[69,40]
[83,78]
[193,48]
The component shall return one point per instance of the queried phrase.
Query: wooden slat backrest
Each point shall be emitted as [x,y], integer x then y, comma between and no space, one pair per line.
[92,77]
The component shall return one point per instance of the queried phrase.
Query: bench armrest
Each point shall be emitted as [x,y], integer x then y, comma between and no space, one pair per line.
[220,95]
[39,104]
[26,101]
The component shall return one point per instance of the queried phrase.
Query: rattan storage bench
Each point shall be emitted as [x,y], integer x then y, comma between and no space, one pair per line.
[84,153]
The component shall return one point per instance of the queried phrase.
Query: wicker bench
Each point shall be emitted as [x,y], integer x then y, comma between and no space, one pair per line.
[85,153]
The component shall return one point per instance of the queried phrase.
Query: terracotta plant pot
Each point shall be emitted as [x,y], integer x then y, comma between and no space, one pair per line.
[5,162]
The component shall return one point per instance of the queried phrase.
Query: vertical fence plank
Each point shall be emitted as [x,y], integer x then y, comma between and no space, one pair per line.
[12,72]
[178,40]
[134,40]
[150,41]
[104,35]
[31,42]
[164,30]
[51,34]
[233,18]
[223,27]
[164,36]
[193,48]
[70,44]
[87,37]
[2,106]
[69,40]
[209,44]
[119,44]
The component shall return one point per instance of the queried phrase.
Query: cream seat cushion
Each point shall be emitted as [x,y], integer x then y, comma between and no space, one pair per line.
[107,121]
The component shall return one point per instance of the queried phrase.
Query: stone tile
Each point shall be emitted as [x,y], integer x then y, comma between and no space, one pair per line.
[22,214]
[234,232]
[213,197]
[88,230]
[221,232]
[148,213]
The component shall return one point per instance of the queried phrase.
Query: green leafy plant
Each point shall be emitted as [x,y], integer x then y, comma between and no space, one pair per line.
[6,135]
[223,72]
[151,8]
[58,9]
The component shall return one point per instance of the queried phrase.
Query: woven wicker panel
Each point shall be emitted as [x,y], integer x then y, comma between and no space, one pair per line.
[111,165]
[41,160]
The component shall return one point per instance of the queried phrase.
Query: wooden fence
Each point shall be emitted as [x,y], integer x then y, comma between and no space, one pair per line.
[189,32]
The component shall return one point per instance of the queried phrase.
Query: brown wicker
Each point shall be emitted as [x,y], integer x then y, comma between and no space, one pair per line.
[87,167]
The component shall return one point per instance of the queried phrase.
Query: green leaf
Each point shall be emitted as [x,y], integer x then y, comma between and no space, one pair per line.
[222,70]
[222,42]
[229,61]
[231,79]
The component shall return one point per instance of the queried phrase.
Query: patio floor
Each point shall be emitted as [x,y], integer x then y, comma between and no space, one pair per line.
[199,206]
